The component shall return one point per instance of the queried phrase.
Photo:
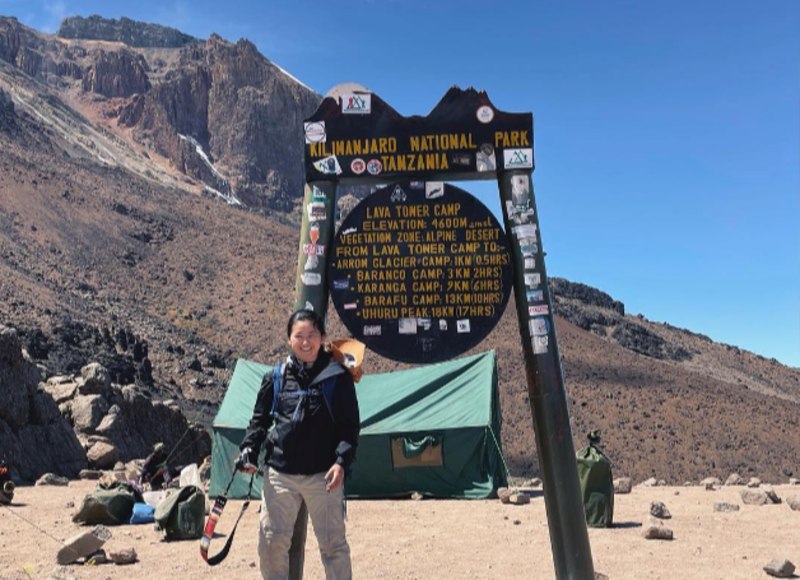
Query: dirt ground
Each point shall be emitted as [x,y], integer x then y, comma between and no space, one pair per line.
[434,539]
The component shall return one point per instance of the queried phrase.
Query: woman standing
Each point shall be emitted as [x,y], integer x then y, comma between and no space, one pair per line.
[311,433]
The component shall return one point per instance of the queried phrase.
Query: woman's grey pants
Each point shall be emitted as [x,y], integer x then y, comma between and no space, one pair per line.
[282,497]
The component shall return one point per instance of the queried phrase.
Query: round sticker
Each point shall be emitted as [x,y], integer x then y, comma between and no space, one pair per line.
[315,132]
[485,114]
[358,166]
[374,167]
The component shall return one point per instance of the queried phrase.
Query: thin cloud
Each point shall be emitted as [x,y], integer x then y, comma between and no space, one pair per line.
[54,13]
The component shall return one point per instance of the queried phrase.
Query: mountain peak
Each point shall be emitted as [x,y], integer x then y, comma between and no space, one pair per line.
[131,32]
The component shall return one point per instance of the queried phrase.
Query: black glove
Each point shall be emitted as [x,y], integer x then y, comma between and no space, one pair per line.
[246,462]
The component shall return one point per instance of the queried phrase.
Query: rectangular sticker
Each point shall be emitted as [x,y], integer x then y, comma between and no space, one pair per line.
[311,279]
[372,330]
[535,295]
[533,280]
[539,326]
[539,344]
[518,158]
[407,326]
[314,249]
[538,310]
[356,104]
[328,166]
[463,326]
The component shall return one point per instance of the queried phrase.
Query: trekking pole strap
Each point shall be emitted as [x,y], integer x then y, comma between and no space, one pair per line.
[213,518]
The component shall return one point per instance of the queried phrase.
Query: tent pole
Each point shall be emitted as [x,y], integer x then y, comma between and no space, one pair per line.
[572,556]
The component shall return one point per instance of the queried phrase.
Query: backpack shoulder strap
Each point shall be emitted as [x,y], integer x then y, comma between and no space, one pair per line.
[277,382]
[328,387]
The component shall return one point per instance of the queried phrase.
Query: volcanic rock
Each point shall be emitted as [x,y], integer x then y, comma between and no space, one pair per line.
[88,412]
[622,485]
[779,568]
[734,479]
[659,510]
[28,416]
[101,455]
[52,479]
[721,506]
[657,533]
[755,497]
[83,545]
[123,556]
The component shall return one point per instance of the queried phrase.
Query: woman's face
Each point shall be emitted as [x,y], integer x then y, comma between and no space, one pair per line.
[305,341]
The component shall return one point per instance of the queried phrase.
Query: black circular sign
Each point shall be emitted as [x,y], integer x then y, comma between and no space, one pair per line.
[419,271]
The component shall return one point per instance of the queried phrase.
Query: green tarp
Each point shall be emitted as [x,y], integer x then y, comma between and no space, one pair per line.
[426,430]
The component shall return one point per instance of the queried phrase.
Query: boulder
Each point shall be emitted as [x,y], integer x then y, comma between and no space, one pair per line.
[504,493]
[725,507]
[123,556]
[519,498]
[622,485]
[650,482]
[770,491]
[102,455]
[754,482]
[711,481]
[88,412]
[711,487]
[794,502]
[61,392]
[661,483]
[734,479]
[90,474]
[779,568]
[794,481]
[52,479]
[96,379]
[83,545]
[657,533]
[754,497]
[659,510]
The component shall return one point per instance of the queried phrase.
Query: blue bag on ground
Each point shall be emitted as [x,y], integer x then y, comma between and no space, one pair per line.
[143,514]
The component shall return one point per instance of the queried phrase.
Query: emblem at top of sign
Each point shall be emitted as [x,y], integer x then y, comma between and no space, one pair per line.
[485,114]
[356,104]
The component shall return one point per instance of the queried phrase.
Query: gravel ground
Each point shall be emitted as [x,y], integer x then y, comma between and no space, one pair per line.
[435,539]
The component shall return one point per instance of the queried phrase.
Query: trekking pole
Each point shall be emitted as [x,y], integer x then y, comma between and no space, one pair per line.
[213,518]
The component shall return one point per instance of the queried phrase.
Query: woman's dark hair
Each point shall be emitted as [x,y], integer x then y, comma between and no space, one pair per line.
[302,316]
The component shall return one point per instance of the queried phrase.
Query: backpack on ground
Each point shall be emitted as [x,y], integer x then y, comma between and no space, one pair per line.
[109,504]
[182,514]
[597,484]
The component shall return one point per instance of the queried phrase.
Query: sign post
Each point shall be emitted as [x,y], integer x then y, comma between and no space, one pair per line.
[569,538]
[316,234]
[421,272]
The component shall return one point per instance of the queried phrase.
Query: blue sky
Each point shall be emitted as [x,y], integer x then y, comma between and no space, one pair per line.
[667,133]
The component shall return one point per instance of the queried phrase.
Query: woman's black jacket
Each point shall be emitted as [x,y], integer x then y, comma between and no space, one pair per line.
[306,437]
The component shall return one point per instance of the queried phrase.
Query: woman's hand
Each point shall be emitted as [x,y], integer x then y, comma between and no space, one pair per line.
[334,477]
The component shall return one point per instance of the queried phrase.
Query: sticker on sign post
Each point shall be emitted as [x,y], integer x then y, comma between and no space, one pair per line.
[518,158]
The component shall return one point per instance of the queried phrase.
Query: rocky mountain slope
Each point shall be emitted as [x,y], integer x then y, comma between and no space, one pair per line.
[108,254]
[203,116]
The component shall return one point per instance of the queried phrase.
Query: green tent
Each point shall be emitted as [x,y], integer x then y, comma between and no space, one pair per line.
[433,430]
